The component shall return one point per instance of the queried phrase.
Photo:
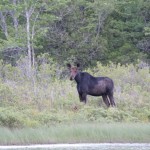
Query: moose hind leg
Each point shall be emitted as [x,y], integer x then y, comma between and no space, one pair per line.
[111,98]
[106,101]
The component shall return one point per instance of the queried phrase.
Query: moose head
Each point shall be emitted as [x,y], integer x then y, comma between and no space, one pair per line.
[73,70]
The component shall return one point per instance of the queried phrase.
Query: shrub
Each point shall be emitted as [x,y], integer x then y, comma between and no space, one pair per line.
[10,118]
[48,99]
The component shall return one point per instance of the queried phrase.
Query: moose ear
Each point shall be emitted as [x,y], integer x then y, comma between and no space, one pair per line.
[78,65]
[69,66]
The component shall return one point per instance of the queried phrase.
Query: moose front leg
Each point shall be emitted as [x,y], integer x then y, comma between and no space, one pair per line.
[83,97]
[80,97]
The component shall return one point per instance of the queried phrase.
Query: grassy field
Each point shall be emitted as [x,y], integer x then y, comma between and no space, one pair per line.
[78,133]
[45,108]
[47,99]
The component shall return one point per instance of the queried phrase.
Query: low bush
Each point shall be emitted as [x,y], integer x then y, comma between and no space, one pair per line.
[9,117]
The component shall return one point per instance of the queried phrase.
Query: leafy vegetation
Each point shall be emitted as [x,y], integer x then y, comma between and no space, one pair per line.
[47,98]
[86,31]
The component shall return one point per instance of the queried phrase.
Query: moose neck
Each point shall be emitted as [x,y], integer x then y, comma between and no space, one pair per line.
[78,77]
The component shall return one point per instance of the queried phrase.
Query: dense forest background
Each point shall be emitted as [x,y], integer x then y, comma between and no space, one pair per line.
[86,31]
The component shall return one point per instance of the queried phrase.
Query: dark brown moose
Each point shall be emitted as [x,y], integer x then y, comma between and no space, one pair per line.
[89,85]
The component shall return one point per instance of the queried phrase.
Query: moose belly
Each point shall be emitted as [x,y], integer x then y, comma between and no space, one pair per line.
[98,89]
[96,93]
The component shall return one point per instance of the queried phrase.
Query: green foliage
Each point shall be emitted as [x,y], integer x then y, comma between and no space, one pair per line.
[49,98]
[6,93]
[124,30]
[76,36]
[10,118]
[83,31]
[147,31]
[111,115]
[126,54]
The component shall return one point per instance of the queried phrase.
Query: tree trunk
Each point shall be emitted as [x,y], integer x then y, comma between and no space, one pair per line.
[32,38]
[28,13]
[3,24]
[15,20]
[28,41]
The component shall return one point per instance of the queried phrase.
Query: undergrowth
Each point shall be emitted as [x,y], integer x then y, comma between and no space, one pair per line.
[47,97]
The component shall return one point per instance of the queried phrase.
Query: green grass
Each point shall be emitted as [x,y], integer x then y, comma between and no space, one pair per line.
[78,133]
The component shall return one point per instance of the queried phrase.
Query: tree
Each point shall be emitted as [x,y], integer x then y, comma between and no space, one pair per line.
[76,34]
[124,28]
[26,18]
[86,31]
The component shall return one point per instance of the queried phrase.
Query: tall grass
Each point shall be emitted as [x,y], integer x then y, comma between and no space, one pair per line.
[77,133]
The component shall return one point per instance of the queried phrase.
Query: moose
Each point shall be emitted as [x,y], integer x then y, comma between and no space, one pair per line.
[90,85]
